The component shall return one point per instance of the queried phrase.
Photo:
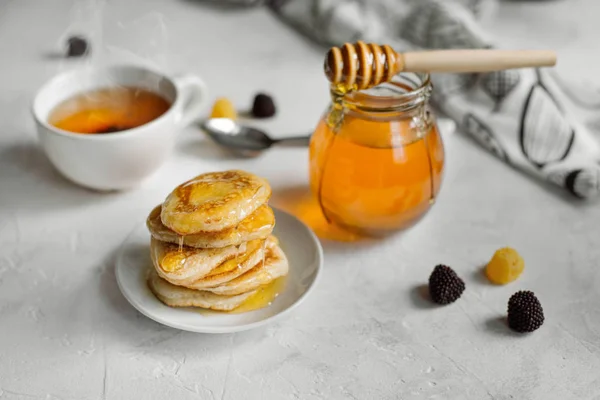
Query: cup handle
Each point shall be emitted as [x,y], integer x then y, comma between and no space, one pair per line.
[193,93]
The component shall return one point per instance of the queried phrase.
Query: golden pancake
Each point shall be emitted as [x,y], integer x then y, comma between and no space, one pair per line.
[235,267]
[214,201]
[257,225]
[177,296]
[190,263]
[275,266]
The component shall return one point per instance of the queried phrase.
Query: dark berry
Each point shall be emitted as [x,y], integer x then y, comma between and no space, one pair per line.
[445,286]
[77,46]
[263,106]
[525,313]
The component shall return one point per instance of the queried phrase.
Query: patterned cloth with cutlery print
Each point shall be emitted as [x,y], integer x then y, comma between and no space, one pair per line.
[528,118]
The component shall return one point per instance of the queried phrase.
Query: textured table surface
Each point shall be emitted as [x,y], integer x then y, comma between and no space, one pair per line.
[66,332]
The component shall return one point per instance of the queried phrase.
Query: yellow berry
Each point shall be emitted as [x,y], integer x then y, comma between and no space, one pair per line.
[505,266]
[223,108]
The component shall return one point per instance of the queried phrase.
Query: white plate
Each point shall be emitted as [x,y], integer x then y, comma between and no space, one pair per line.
[300,245]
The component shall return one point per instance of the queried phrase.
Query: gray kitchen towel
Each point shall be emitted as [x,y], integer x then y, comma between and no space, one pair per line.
[528,118]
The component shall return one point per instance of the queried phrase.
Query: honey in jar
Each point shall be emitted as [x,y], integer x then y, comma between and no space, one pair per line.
[376,156]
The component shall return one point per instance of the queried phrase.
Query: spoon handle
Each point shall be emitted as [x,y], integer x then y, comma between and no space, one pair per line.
[294,141]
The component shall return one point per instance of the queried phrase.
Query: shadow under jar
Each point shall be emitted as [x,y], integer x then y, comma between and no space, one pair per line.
[376,157]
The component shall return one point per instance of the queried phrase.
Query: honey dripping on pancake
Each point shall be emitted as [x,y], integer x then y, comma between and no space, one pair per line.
[237,230]
[238,240]
[264,297]
[180,243]
[264,252]
[173,261]
[239,214]
[237,255]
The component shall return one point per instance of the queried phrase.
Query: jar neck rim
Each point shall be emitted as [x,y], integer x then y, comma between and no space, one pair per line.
[405,92]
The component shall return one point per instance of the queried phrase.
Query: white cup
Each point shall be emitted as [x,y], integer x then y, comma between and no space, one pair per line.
[118,160]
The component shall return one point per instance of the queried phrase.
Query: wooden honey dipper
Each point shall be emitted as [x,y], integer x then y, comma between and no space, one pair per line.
[368,65]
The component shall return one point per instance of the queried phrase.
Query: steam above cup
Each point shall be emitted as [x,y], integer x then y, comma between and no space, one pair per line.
[119,160]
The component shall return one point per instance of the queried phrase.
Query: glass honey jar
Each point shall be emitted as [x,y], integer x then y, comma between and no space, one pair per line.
[377,157]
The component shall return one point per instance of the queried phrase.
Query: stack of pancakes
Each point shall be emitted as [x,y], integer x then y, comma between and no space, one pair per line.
[211,243]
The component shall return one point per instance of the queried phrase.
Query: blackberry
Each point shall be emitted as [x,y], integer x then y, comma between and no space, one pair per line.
[263,106]
[77,46]
[445,286]
[525,313]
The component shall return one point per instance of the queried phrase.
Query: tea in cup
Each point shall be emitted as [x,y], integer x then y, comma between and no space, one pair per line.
[110,128]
